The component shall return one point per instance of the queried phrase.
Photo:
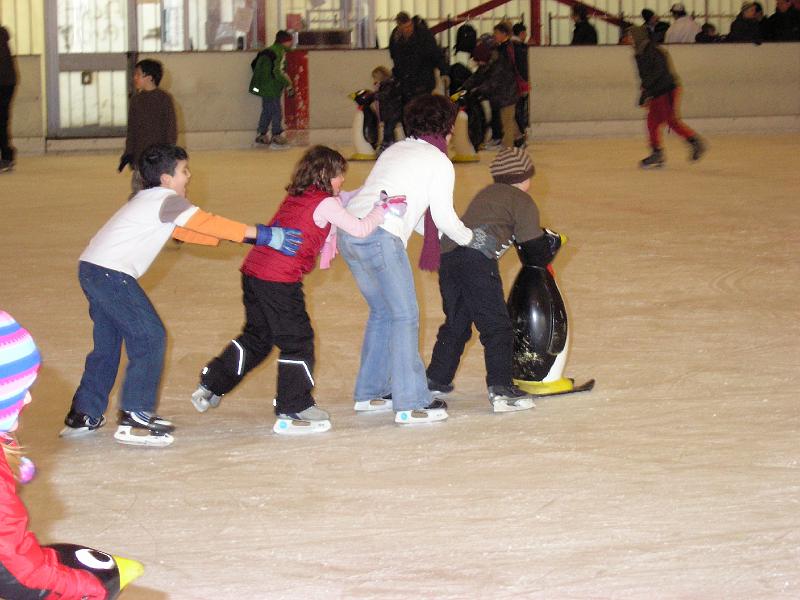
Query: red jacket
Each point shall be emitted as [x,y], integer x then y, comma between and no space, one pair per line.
[295,212]
[22,556]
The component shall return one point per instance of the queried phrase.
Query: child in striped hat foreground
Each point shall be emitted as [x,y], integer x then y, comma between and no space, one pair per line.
[27,570]
[471,288]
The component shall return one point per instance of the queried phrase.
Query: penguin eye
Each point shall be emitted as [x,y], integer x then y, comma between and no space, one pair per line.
[94,559]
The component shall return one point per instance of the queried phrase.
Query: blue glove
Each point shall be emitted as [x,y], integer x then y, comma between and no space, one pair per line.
[285,241]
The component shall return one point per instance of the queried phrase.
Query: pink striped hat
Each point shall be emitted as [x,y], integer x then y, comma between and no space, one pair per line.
[19,364]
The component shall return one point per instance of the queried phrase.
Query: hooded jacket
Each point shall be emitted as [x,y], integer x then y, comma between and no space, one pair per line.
[655,70]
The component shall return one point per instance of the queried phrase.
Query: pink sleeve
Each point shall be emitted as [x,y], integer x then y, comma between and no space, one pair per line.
[331,211]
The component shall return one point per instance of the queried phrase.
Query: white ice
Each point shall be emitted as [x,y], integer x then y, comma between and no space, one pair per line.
[677,477]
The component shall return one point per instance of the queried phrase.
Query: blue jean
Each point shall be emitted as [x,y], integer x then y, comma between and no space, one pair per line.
[121,311]
[390,360]
[270,113]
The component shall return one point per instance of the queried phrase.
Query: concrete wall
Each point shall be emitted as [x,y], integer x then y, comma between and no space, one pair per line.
[28,105]
[576,91]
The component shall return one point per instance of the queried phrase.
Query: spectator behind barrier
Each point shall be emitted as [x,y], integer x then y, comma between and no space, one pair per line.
[745,28]
[656,28]
[684,29]
[584,33]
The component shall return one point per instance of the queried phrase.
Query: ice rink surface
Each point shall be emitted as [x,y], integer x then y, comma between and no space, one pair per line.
[677,477]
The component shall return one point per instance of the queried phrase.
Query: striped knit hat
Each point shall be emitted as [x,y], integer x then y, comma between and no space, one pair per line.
[512,165]
[19,363]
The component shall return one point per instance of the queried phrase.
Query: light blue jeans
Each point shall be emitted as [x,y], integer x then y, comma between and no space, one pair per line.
[390,360]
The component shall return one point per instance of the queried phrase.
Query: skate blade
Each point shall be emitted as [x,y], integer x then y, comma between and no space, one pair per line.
[374,405]
[415,417]
[502,406]
[298,427]
[126,434]
[73,432]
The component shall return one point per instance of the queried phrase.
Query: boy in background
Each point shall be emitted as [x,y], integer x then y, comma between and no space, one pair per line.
[110,266]
[471,287]
[390,104]
[151,118]
[268,81]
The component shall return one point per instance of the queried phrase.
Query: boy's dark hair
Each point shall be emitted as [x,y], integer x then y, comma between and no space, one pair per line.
[317,167]
[580,11]
[158,160]
[503,28]
[283,36]
[518,28]
[647,14]
[402,17]
[429,114]
[151,68]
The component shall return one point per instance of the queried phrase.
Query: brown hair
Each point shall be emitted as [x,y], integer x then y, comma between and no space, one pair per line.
[317,167]
[429,114]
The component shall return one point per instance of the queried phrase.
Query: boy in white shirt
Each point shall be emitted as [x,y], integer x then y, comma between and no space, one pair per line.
[121,252]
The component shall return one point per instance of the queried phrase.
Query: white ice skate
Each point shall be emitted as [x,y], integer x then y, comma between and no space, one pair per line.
[203,399]
[509,398]
[382,404]
[435,411]
[142,428]
[311,420]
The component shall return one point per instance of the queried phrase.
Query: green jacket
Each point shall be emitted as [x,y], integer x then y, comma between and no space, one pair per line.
[269,72]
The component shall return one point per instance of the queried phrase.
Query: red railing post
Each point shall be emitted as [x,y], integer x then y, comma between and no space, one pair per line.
[536,22]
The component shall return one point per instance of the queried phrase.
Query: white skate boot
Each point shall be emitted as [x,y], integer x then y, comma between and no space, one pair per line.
[435,411]
[382,404]
[311,420]
[143,428]
[203,399]
[509,398]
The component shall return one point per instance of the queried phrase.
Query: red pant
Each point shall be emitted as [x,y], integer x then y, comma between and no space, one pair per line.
[663,109]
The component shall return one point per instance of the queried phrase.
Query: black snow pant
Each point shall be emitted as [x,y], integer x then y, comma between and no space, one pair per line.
[275,315]
[10,587]
[472,292]
[6,151]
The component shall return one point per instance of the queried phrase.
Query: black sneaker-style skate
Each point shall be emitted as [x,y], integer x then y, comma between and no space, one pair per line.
[439,389]
[697,150]
[509,398]
[435,411]
[654,161]
[79,424]
[143,428]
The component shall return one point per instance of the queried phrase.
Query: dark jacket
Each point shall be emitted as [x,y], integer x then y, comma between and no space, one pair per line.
[584,34]
[8,70]
[745,30]
[390,103]
[783,26]
[658,31]
[415,59]
[495,81]
[653,65]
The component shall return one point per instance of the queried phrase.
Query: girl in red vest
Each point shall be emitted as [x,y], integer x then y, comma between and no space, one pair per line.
[275,308]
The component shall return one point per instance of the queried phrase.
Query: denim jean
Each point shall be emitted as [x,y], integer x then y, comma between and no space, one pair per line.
[270,113]
[390,360]
[121,312]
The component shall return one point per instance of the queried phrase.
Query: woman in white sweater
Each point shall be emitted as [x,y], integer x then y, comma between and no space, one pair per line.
[419,169]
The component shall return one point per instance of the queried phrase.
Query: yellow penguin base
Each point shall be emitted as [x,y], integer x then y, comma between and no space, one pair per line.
[463,158]
[363,156]
[546,388]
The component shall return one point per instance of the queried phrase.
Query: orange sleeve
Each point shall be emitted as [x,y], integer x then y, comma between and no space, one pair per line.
[185,235]
[221,228]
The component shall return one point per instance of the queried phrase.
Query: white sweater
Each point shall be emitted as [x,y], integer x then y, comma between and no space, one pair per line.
[425,176]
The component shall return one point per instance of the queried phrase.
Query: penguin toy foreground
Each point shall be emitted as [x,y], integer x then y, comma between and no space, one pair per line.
[539,320]
[114,572]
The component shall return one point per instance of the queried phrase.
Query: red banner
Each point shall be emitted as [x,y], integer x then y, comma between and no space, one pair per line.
[296,107]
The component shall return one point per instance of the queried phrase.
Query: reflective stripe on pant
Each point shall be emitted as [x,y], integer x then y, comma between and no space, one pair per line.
[275,315]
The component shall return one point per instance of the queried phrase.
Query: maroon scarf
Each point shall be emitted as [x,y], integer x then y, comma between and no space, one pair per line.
[431,251]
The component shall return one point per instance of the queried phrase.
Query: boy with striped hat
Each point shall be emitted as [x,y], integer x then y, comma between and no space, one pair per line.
[471,288]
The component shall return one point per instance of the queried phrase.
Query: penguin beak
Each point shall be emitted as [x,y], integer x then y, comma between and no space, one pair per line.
[128,570]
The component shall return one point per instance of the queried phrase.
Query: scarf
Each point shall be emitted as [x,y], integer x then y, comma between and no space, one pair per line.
[430,256]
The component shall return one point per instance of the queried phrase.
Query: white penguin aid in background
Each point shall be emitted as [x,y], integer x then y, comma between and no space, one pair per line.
[365,126]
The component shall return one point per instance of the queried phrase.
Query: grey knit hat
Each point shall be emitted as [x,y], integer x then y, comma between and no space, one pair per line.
[512,165]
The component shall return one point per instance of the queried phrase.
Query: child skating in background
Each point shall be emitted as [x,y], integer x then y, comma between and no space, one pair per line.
[274,303]
[390,104]
[27,570]
[117,256]
[151,118]
[471,288]
[660,94]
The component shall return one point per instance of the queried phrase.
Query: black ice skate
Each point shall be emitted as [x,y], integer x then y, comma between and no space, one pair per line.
[654,161]
[143,428]
[439,389]
[698,148]
[509,398]
[79,424]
